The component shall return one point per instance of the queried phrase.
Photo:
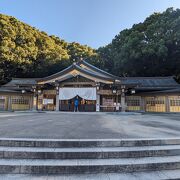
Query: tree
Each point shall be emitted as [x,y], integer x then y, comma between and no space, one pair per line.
[27,52]
[151,48]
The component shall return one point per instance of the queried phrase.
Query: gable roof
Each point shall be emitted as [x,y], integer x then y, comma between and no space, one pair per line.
[92,72]
[94,69]
[83,68]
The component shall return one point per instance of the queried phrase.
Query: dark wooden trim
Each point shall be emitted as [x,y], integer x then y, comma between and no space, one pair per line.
[78,83]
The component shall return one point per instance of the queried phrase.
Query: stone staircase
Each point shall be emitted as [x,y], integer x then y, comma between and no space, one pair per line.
[50,156]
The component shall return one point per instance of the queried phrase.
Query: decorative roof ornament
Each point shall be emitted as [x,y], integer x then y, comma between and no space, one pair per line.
[80,59]
[74,62]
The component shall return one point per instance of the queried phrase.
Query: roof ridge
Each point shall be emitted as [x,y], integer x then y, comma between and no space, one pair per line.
[88,71]
[25,78]
[96,69]
[150,77]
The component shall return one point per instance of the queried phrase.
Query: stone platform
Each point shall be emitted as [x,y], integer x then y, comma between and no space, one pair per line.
[61,125]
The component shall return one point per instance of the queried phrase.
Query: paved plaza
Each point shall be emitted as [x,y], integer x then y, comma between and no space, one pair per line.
[168,174]
[88,125]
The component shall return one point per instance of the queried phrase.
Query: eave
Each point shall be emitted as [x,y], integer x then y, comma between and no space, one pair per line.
[62,75]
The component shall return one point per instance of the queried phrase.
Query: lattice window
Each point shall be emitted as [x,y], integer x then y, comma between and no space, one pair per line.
[150,101]
[133,101]
[174,102]
[20,100]
[155,104]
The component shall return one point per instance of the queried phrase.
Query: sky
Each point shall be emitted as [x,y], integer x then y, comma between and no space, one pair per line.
[91,22]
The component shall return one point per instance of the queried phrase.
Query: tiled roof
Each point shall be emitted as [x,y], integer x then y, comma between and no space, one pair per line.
[22,81]
[96,70]
[141,83]
[152,81]
[88,71]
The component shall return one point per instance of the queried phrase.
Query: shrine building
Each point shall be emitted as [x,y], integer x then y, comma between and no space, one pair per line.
[95,89]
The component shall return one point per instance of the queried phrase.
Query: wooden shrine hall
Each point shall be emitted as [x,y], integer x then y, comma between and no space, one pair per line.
[95,89]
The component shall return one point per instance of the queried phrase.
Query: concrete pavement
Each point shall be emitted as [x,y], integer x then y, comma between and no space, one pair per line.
[88,125]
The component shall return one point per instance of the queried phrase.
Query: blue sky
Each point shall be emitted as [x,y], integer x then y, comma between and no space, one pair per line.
[91,22]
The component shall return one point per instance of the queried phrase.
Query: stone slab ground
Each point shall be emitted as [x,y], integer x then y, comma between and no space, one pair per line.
[88,125]
[167,174]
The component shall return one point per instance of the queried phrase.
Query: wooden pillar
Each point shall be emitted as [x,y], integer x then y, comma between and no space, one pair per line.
[97,97]
[35,100]
[167,104]
[31,102]
[123,104]
[117,102]
[143,108]
[10,103]
[97,102]
[57,98]
[117,99]
[34,103]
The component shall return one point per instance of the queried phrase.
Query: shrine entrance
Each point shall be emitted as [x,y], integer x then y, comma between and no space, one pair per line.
[84,105]
[86,98]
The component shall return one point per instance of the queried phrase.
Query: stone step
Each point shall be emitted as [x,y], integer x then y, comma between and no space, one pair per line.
[88,153]
[70,166]
[155,175]
[59,143]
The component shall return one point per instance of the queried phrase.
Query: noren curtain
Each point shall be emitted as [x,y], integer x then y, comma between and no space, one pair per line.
[85,93]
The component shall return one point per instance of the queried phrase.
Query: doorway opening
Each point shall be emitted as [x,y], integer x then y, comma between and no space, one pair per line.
[83,106]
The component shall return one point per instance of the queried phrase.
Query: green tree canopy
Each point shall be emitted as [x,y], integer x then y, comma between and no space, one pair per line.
[151,48]
[27,52]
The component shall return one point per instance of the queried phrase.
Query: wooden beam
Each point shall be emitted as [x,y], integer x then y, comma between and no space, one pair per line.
[78,83]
